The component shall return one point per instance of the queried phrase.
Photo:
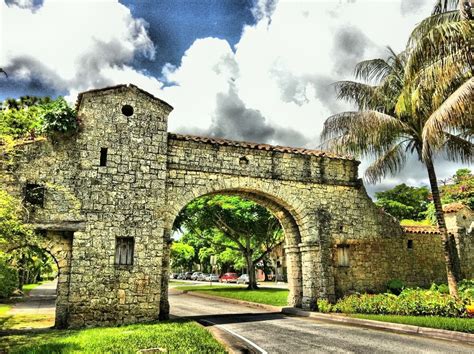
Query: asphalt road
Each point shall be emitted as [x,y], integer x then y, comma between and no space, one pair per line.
[260,331]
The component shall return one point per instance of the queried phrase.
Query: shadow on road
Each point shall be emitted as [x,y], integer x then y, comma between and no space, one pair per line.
[210,320]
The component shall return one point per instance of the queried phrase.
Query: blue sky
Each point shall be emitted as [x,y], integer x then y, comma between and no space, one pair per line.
[258,70]
[186,20]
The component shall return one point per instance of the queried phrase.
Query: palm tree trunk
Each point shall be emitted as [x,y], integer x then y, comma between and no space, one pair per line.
[464,10]
[448,257]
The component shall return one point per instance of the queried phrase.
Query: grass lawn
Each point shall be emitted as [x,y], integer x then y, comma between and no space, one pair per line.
[28,287]
[269,296]
[4,308]
[452,324]
[170,336]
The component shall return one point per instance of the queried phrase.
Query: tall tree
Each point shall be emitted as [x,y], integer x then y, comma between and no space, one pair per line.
[182,256]
[394,119]
[404,202]
[233,223]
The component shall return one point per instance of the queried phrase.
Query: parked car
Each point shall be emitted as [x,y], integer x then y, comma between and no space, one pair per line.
[195,275]
[229,278]
[180,276]
[174,275]
[187,275]
[212,277]
[202,277]
[243,279]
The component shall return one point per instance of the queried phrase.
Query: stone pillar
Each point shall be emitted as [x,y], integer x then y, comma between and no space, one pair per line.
[310,265]
[318,282]
[295,281]
[62,296]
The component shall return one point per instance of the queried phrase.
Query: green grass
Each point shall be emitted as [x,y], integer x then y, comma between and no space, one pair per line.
[170,336]
[449,323]
[28,287]
[4,308]
[269,296]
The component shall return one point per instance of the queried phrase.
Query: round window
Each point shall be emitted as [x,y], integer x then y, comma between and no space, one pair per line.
[127,110]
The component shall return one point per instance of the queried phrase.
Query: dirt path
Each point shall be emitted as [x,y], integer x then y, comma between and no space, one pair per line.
[41,301]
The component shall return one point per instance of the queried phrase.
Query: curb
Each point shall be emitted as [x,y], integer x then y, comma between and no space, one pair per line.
[385,326]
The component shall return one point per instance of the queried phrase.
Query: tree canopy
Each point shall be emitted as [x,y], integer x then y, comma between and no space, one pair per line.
[232,225]
[404,202]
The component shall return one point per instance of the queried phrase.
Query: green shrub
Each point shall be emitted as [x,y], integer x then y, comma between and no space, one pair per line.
[442,288]
[415,302]
[395,286]
[324,306]
[8,279]
[58,117]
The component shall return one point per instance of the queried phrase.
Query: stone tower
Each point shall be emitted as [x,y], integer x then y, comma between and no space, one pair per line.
[120,184]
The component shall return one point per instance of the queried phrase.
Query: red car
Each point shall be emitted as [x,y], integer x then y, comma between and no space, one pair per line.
[229,278]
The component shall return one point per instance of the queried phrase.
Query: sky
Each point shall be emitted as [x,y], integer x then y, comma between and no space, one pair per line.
[254,70]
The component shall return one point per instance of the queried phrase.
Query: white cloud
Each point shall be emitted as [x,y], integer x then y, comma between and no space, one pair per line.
[279,75]
[73,45]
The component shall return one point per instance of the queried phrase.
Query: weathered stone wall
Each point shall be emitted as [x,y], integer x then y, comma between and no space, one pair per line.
[324,201]
[151,175]
[461,224]
[374,262]
[122,199]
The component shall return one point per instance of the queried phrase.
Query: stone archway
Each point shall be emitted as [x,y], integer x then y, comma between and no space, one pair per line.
[59,245]
[287,215]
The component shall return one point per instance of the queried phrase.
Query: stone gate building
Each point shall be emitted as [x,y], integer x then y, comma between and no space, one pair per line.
[106,198]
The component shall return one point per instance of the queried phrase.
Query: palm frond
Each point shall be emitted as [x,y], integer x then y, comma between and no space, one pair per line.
[454,114]
[458,149]
[374,70]
[432,21]
[363,95]
[391,162]
[362,133]
[439,43]
[445,5]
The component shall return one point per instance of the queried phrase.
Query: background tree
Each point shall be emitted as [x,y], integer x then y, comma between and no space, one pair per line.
[394,118]
[30,116]
[182,256]
[230,222]
[404,202]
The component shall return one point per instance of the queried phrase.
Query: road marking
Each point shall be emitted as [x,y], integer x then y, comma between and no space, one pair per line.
[263,351]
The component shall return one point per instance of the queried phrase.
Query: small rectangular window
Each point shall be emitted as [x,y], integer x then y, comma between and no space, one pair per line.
[124,250]
[34,194]
[103,156]
[343,255]
[410,244]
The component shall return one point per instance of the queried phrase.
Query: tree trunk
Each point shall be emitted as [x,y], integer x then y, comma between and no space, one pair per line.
[265,268]
[464,10]
[448,257]
[251,272]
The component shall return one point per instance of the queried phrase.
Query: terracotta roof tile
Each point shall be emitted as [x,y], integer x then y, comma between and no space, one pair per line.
[421,229]
[454,207]
[257,146]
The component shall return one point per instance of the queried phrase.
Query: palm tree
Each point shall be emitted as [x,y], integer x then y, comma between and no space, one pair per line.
[394,119]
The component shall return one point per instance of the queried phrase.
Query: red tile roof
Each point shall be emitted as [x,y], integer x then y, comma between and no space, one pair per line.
[257,146]
[454,207]
[421,229]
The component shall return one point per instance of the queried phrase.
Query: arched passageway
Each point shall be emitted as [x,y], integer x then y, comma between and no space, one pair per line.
[59,245]
[282,211]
